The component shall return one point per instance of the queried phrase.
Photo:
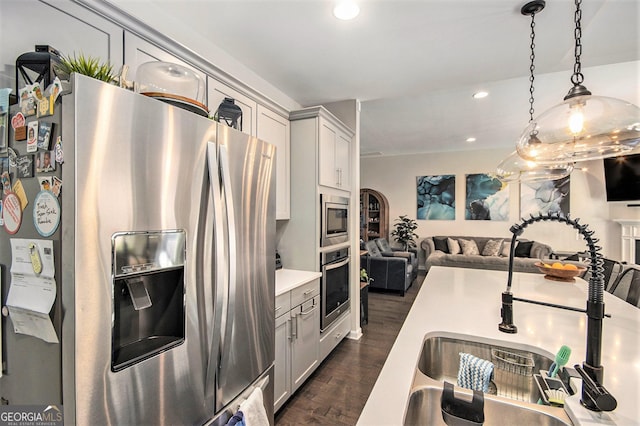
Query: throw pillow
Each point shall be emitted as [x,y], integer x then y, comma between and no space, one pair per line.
[441,244]
[523,249]
[469,247]
[492,248]
[454,247]
[506,249]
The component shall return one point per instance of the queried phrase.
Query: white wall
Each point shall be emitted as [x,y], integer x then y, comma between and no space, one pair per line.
[395,177]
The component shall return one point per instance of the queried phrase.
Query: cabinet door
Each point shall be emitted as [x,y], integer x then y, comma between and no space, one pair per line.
[275,129]
[328,173]
[282,367]
[343,160]
[217,91]
[305,347]
[65,26]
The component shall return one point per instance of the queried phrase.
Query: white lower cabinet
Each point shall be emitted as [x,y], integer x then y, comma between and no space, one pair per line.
[305,338]
[297,339]
[282,377]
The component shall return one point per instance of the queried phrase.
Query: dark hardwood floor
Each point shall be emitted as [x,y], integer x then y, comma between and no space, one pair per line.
[337,391]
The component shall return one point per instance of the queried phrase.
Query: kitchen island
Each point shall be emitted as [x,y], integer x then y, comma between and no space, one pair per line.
[457,301]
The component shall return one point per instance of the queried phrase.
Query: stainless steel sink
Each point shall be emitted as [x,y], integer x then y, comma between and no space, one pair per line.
[513,368]
[513,394]
[424,409]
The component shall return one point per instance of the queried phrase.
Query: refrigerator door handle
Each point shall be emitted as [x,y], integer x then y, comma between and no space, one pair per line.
[232,252]
[221,297]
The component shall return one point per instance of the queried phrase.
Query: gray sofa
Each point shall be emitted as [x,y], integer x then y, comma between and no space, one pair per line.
[533,250]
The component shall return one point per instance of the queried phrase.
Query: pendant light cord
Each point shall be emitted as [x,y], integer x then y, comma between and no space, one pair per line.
[532,66]
[577,78]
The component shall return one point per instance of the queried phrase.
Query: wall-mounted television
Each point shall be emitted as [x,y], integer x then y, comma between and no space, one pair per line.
[622,178]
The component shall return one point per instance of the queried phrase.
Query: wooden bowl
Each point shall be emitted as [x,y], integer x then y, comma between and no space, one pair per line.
[556,274]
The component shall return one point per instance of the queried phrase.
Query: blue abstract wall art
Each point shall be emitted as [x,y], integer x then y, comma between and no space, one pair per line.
[487,198]
[436,197]
[544,197]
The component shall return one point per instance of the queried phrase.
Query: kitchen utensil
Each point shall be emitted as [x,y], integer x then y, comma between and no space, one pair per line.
[562,357]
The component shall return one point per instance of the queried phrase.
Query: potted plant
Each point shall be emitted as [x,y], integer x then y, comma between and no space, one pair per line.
[364,277]
[403,232]
[86,65]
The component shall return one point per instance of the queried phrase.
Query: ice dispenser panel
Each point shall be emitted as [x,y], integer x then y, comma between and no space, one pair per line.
[148,295]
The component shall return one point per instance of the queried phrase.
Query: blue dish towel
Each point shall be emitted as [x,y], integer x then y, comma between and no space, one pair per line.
[474,373]
[236,420]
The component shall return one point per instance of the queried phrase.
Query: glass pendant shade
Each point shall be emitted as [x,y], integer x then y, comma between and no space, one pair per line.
[514,168]
[582,128]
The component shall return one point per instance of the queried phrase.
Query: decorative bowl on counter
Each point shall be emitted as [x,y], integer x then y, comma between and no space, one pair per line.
[558,271]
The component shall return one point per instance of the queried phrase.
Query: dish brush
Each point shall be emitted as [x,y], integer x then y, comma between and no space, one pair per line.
[555,396]
[562,357]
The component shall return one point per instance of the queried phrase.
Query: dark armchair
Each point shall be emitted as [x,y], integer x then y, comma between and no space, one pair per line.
[411,256]
[627,285]
[386,273]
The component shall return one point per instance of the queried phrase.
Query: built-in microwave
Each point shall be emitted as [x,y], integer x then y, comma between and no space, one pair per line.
[334,220]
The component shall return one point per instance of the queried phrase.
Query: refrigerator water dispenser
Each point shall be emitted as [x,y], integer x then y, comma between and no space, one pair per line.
[148,295]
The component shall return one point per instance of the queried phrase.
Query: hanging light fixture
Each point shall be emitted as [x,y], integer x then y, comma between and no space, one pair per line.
[583,127]
[514,168]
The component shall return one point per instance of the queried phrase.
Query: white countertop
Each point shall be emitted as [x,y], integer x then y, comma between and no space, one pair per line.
[288,279]
[468,301]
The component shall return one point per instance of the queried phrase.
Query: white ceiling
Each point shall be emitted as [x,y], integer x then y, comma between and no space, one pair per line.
[414,64]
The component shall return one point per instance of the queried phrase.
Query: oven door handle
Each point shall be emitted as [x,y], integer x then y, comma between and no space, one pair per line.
[330,266]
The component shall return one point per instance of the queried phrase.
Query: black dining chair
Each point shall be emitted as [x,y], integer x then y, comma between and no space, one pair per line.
[611,269]
[627,285]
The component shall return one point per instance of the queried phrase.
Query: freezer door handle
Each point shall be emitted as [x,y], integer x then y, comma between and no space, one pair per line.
[232,252]
[221,297]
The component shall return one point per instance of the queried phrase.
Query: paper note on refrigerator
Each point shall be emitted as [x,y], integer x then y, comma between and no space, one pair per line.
[33,288]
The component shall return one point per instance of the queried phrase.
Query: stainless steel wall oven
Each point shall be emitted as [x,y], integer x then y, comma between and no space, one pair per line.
[334,285]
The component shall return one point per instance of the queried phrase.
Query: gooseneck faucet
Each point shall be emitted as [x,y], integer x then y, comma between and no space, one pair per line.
[594,396]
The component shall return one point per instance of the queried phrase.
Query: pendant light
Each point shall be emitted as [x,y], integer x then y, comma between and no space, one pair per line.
[514,168]
[583,127]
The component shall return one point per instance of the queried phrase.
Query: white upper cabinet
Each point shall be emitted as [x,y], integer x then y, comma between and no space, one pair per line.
[275,129]
[317,129]
[217,91]
[343,159]
[66,26]
[335,156]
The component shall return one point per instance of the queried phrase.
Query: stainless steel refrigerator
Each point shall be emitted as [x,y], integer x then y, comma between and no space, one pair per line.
[164,266]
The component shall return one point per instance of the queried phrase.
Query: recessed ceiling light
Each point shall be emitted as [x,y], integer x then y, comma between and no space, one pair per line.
[346,10]
[480,95]
[471,139]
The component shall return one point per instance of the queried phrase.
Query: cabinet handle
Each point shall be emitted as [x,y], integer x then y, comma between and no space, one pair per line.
[294,334]
[278,308]
[309,311]
[290,336]
[308,292]
[338,335]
